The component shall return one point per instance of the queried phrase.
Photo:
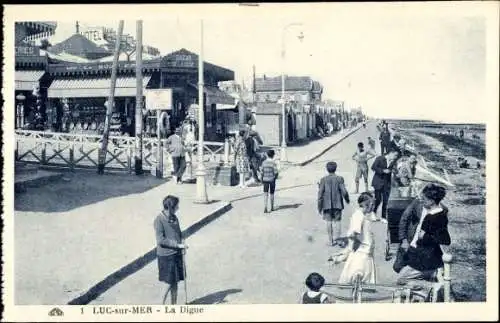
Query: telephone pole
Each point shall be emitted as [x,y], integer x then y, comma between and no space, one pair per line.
[201,185]
[138,101]
[109,104]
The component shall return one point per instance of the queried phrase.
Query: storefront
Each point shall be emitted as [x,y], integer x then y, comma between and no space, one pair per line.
[78,93]
[31,84]
[179,71]
[31,80]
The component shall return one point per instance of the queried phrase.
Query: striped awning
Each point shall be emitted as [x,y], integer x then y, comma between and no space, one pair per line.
[94,87]
[28,80]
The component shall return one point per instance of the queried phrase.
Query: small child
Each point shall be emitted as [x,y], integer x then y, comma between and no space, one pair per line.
[269,175]
[314,282]
[359,257]
[371,143]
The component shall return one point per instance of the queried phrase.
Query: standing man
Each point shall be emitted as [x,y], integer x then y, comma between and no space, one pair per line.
[177,151]
[385,140]
[381,182]
[331,196]
[252,155]
[361,156]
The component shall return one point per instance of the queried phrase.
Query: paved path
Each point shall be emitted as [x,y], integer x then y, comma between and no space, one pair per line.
[75,246]
[247,257]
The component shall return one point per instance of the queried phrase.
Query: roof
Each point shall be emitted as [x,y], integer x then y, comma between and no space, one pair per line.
[79,45]
[185,59]
[292,83]
[36,27]
[317,87]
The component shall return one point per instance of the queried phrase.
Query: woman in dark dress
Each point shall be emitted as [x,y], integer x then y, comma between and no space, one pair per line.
[169,247]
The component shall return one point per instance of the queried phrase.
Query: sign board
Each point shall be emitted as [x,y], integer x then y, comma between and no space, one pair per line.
[27,51]
[158,99]
[95,35]
[182,60]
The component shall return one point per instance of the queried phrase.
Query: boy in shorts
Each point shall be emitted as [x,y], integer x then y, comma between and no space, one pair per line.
[269,174]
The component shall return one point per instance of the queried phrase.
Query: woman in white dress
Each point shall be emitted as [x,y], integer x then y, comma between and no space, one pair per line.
[359,254]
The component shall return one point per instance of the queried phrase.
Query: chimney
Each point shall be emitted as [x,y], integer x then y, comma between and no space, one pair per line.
[264,76]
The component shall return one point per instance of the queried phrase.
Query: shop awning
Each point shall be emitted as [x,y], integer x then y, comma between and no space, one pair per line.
[216,96]
[28,80]
[93,87]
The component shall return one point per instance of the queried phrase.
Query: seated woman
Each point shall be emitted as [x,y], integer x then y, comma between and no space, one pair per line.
[423,228]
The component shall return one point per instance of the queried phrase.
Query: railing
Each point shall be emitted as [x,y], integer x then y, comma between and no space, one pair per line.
[81,151]
[433,292]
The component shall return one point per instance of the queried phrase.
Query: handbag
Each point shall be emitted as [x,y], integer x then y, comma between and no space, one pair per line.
[400,261]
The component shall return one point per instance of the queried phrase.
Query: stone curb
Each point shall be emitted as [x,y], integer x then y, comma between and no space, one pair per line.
[308,161]
[142,261]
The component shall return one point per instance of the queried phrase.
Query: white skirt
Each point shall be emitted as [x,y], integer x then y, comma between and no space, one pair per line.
[359,263]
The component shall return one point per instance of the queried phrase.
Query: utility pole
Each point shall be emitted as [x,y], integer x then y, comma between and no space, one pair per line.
[138,101]
[201,187]
[109,104]
[253,86]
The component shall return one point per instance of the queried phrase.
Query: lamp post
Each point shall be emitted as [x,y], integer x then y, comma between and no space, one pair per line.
[283,156]
[201,187]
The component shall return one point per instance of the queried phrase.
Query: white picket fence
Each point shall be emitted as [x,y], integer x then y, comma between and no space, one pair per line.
[81,151]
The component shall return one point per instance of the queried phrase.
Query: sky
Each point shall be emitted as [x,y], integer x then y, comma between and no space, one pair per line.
[393,60]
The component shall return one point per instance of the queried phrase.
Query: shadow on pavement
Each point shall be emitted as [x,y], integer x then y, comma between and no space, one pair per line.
[215,298]
[139,263]
[82,188]
[277,190]
[289,206]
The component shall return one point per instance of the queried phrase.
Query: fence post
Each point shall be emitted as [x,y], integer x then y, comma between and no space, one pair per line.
[72,156]
[129,158]
[16,151]
[226,152]
[447,258]
[44,153]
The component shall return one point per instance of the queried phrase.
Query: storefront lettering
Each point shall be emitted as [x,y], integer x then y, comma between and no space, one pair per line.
[182,60]
[27,51]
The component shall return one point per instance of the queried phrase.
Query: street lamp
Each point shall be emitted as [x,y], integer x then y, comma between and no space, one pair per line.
[283,156]
[201,187]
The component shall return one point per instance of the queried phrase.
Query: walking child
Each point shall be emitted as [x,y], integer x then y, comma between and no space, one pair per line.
[371,143]
[331,196]
[269,176]
[359,255]
[314,295]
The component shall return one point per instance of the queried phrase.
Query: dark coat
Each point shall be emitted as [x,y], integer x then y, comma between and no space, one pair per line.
[385,137]
[331,193]
[380,179]
[428,254]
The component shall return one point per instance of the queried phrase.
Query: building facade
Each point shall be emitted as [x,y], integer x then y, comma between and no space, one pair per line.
[302,95]
[78,92]
[31,79]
